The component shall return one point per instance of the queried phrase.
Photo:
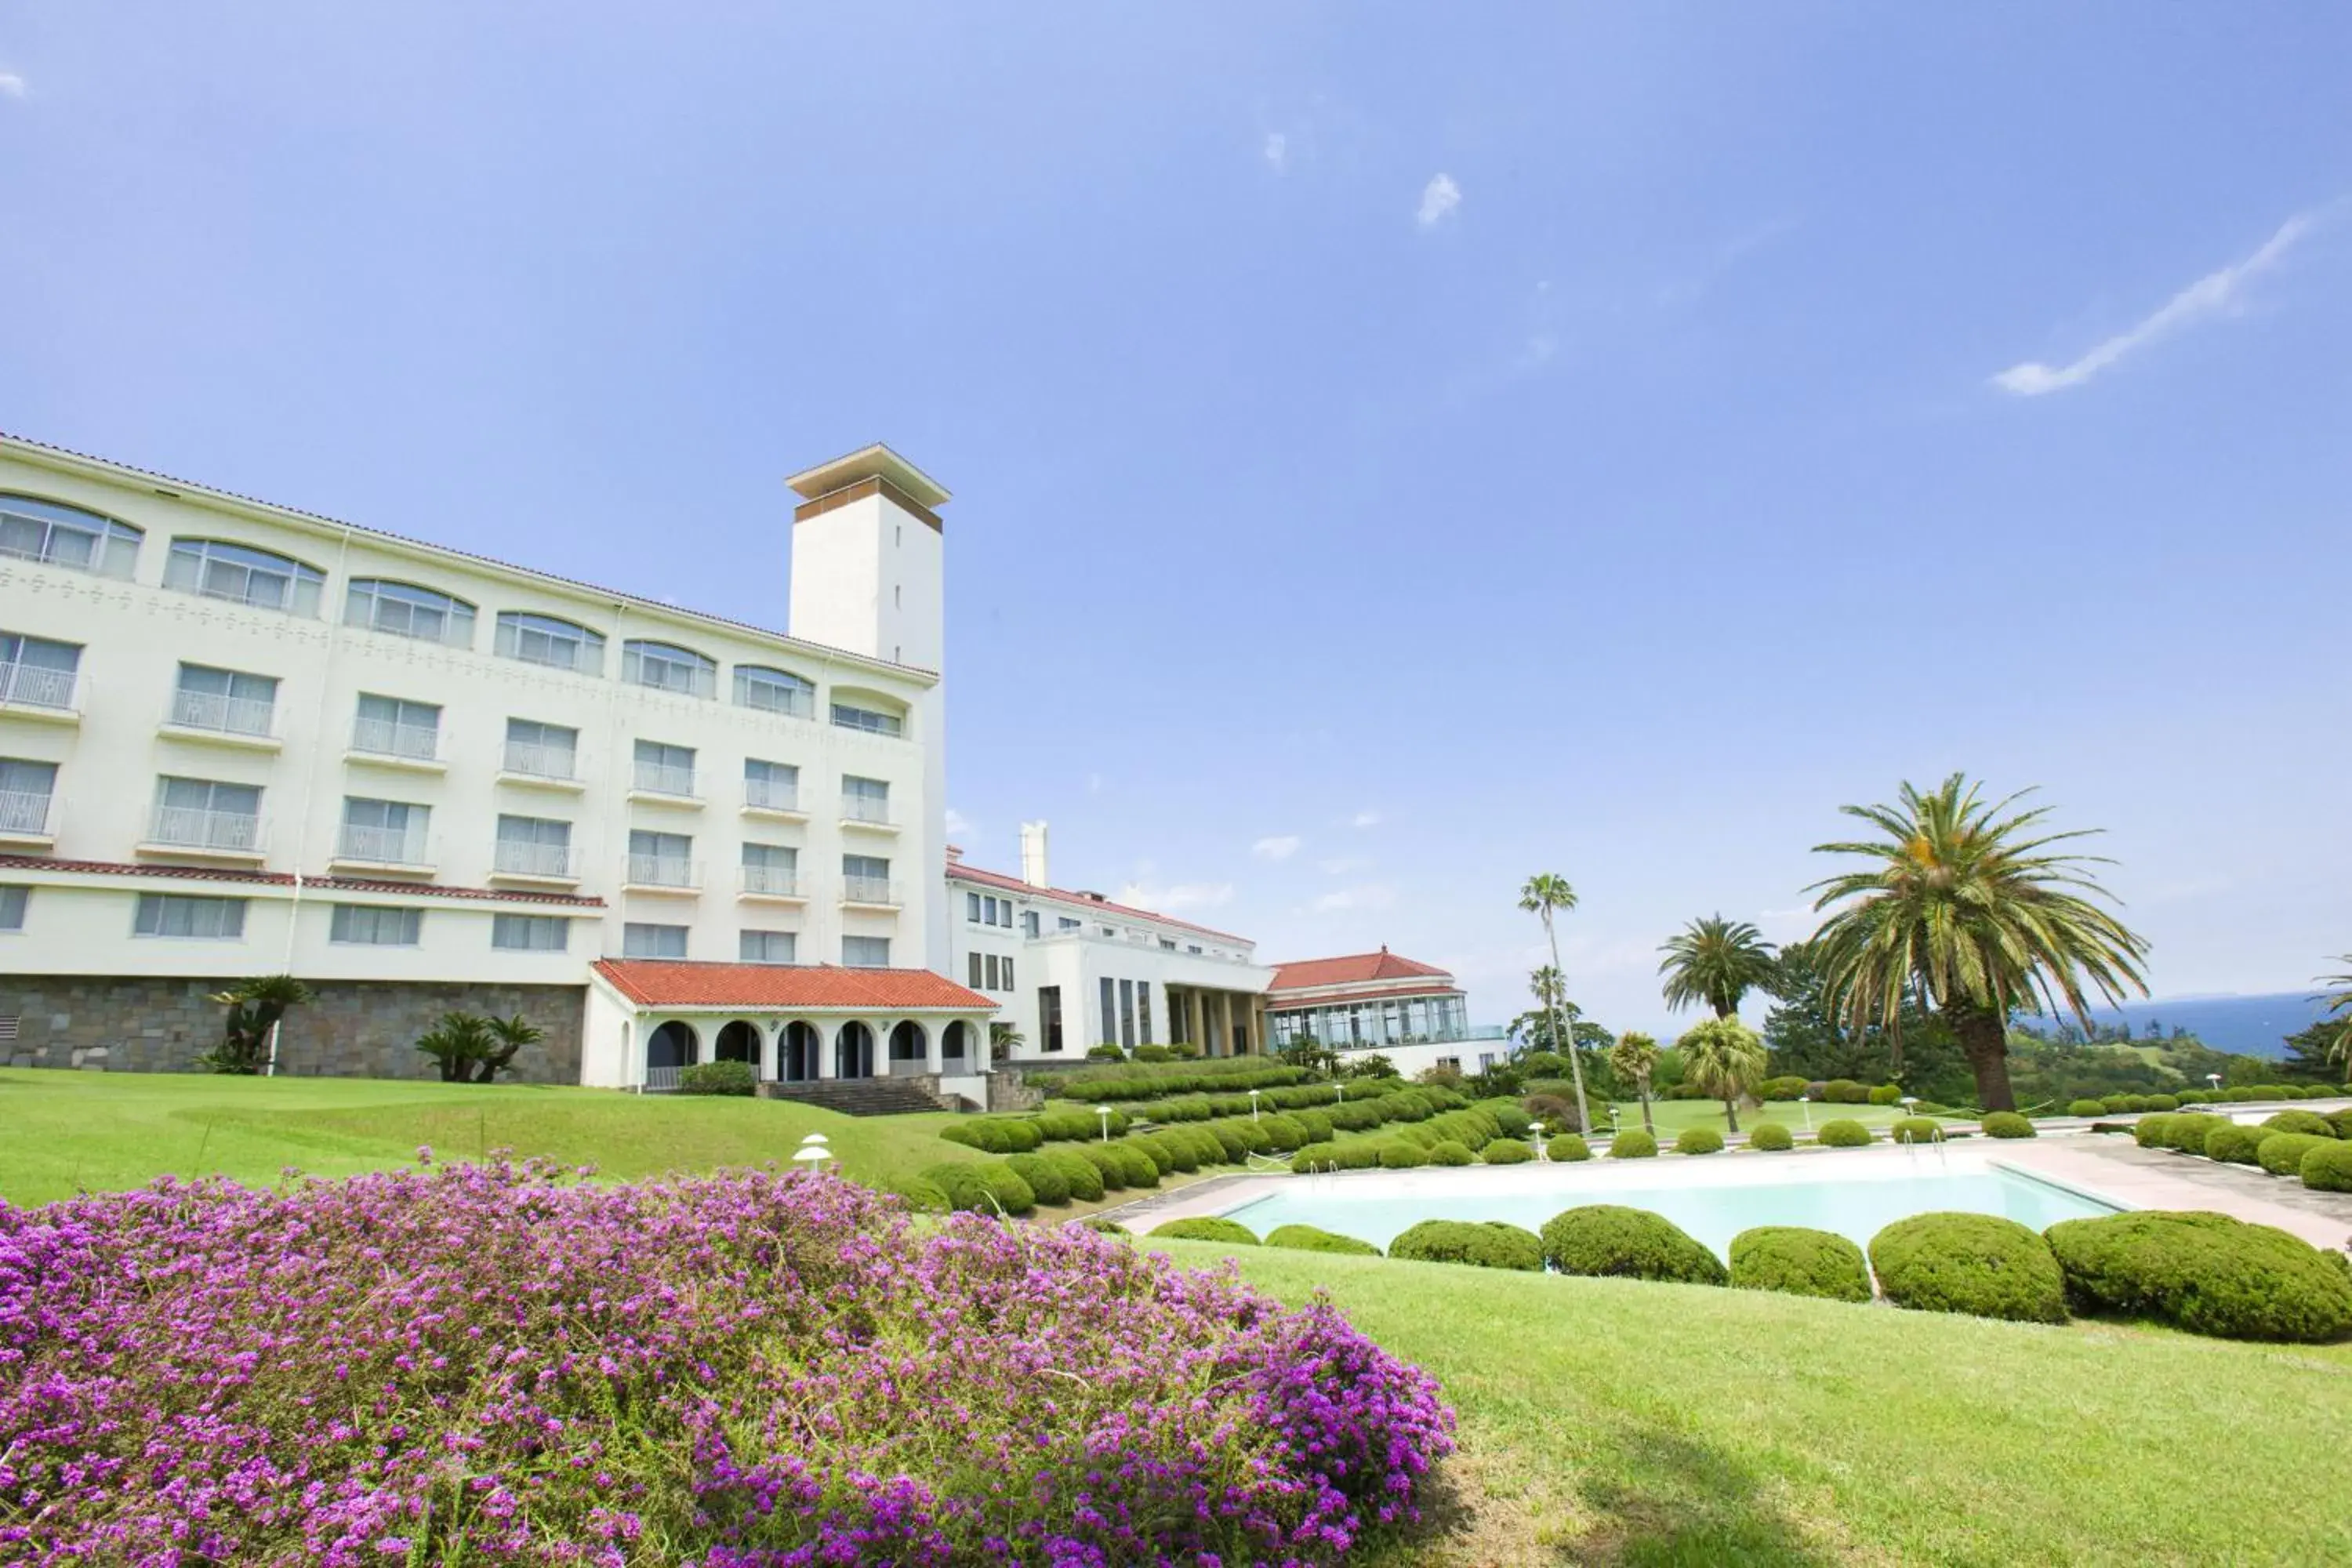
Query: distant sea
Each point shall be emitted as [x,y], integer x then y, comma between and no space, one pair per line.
[2249,1025]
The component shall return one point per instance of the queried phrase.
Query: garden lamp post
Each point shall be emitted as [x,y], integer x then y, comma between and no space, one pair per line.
[1907,1101]
[1806,1100]
[814,1152]
[2215,1080]
[1538,1129]
[1104,1112]
[1253,1093]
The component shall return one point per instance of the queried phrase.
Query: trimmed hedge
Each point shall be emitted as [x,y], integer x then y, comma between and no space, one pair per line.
[1139,1168]
[1632,1143]
[1698,1141]
[2151,1131]
[1045,1178]
[1488,1244]
[2327,1167]
[2206,1273]
[1843,1133]
[996,1135]
[2234,1144]
[1108,1166]
[2306,1122]
[1886,1094]
[1226,1076]
[1511,1120]
[1788,1085]
[2086,1108]
[1798,1262]
[1611,1240]
[1845,1091]
[2006,1124]
[1568,1149]
[1207,1228]
[719,1077]
[1077,1173]
[1506,1152]
[2164,1102]
[1401,1155]
[1308,1238]
[1770,1137]
[982,1187]
[1978,1264]
[1915,1129]
[2281,1153]
[2342,1122]
[1448,1152]
[2187,1132]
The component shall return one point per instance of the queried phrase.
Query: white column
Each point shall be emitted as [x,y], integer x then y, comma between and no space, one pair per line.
[769,1038]
[828,1032]
[931,1052]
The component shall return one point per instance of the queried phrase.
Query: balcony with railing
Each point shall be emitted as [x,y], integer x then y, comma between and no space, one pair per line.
[386,742]
[517,860]
[662,874]
[781,883]
[868,813]
[37,691]
[663,784]
[873,893]
[27,816]
[541,766]
[230,721]
[397,849]
[772,797]
[196,831]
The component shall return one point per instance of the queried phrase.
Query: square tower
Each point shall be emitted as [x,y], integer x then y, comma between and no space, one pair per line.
[868,558]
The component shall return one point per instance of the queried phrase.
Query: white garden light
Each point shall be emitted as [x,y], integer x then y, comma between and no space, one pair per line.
[1254,1105]
[815,1150]
[1104,1112]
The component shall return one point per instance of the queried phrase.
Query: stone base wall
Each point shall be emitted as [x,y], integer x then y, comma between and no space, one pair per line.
[1008,1090]
[356,1029]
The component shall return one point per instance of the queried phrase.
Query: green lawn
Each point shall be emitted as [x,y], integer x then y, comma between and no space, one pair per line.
[1609,1421]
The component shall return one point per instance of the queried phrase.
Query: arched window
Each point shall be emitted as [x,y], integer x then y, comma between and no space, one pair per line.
[545,639]
[774,690]
[219,570]
[405,610]
[665,667]
[34,530]
[870,711]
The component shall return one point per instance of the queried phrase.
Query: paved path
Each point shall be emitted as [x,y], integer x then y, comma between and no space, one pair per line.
[2114,1167]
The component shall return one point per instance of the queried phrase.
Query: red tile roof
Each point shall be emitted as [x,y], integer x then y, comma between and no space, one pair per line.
[958,871]
[286,879]
[769,987]
[1353,970]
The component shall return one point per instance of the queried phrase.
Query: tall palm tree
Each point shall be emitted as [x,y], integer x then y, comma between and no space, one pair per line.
[1634,1058]
[1972,910]
[1725,1058]
[2341,1001]
[1546,894]
[1716,961]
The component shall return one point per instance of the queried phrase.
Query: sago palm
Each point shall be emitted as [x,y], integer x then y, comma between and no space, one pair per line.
[1725,1058]
[1634,1058]
[1977,912]
[1716,962]
[1548,893]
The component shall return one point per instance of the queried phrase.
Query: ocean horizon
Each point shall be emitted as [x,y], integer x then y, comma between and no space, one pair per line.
[2249,1025]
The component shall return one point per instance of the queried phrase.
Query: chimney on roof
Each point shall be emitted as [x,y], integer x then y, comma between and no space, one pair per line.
[1032,854]
[955,854]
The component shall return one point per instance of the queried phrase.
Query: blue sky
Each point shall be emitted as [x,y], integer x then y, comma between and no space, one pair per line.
[1396,449]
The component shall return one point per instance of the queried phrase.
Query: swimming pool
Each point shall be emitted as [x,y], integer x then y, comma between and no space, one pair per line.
[1854,1194]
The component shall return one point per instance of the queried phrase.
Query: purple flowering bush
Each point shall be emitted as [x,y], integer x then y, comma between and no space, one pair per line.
[491,1365]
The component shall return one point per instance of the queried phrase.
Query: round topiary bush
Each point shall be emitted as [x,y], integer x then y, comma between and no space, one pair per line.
[2164,1102]
[1207,1228]
[1568,1149]
[1448,1152]
[2086,1108]
[2186,1132]
[2136,1102]
[1077,1173]
[2234,1144]
[2327,1167]
[1886,1094]
[1400,1156]
[719,1077]
[1135,1166]
[1632,1144]
[1845,1091]
[2342,1122]
[1308,1238]
[1978,1264]
[2114,1104]
[2305,1121]
[2151,1131]
[1698,1141]
[1608,1239]
[1770,1137]
[1506,1152]
[2281,1153]
[1486,1244]
[1915,1129]
[1843,1134]
[2006,1124]
[1045,1178]
[1798,1262]
[2206,1273]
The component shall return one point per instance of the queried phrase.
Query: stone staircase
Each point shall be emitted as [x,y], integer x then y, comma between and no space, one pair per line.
[857,1096]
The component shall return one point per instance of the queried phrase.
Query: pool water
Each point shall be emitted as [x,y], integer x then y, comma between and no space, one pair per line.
[1856,1200]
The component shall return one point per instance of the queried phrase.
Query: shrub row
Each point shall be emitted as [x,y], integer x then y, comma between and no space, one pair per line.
[1207,1228]
[1487,1244]
[1308,1238]
[1148,1082]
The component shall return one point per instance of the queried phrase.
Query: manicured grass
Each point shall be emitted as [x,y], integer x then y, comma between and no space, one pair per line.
[61,1132]
[1607,1420]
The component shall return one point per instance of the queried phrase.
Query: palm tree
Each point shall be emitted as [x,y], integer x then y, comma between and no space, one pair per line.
[254,1007]
[2341,1001]
[1634,1058]
[1970,910]
[1725,1058]
[508,1037]
[1547,893]
[1716,961]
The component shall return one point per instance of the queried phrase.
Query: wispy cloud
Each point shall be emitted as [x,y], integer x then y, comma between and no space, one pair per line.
[11,85]
[1368,817]
[1277,151]
[2215,294]
[1368,896]
[1281,848]
[957,823]
[1177,898]
[1438,197]
[1340,865]
[1792,924]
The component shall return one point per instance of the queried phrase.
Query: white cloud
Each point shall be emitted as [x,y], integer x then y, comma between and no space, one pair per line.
[1277,848]
[1340,865]
[1366,896]
[1368,817]
[1792,924]
[1438,197]
[957,822]
[1277,150]
[2215,294]
[1183,896]
[11,85]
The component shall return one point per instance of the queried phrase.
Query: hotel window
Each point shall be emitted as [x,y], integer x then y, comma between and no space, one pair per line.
[1008,985]
[1049,1016]
[533,846]
[219,570]
[383,832]
[1110,1012]
[873,721]
[530,933]
[1143,1010]
[773,691]
[227,702]
[978,981]
[1195,948]
[1064,923]
[971,908]
[866,880]
[639,939]
[660,859]
[197,918]
[12,906]
[404,610]
[773,787]
[1127,1013]
[67,536]
[1029,922]
[865,952]
[204,813]
[771,868]
[988,982]
[541,750]
[391,727]
[864,800]
[665,769]
[544,639]
[366,925]
[665,667]
[38,673]
[765,946]
[1167,944]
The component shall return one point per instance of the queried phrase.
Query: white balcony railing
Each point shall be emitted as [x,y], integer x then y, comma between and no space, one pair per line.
[33,686]
[514,857]
[385,738]
[662,871]
[195,827]
[24,813]
[869,891]
[866,808]
[561,764]
[663,778]
[382,846]
[767,794]
[223,715]
[775,881]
